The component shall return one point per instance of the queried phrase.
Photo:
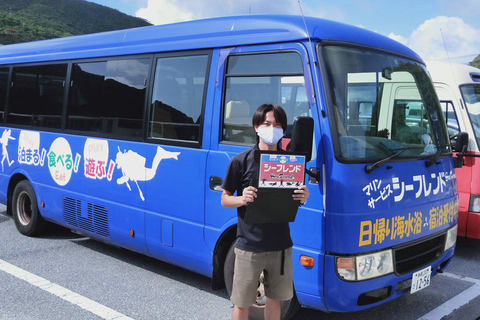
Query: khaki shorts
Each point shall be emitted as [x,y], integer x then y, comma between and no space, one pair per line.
[248,267]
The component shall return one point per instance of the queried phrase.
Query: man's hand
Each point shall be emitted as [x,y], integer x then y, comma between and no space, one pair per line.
[301,194]
[249,194]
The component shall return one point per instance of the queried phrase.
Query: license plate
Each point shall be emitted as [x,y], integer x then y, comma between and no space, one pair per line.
[421,279]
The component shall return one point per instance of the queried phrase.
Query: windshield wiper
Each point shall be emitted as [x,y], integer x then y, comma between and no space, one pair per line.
[434,159]
[370,168]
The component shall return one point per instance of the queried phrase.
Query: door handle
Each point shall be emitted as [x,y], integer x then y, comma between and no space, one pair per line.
[216,183]
[313,175]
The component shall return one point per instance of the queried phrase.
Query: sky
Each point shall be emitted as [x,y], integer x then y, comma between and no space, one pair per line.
[436,29]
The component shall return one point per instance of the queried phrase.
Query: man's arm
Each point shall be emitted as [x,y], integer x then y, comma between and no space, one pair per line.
[231,201]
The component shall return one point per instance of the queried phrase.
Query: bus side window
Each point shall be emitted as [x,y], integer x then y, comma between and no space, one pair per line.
[178,97]
[400,130]
[3,91]
[238,122]
[354,126]
[108,96]
[451,117]
[36,97]
[255,79]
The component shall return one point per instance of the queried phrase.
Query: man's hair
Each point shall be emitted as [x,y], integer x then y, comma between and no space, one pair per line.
[278,112]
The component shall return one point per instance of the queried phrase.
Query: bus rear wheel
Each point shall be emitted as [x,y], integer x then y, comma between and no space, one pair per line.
[289,308]
[26,215]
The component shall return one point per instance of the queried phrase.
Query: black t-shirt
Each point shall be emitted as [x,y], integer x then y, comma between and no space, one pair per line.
[257,237]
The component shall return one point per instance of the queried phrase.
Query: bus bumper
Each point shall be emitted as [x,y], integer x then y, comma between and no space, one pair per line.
[344,296]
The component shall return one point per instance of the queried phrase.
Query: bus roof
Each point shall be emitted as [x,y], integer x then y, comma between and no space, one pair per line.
[200,34]
[453,74]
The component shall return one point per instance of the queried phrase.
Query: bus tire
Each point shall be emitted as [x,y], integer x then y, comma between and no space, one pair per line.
[289,308]
[25,211]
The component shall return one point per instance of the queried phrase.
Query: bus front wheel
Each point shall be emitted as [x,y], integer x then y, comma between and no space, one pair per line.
[289,308]
[26,215]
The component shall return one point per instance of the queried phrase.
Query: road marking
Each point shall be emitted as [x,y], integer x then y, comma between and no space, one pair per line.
[63,293]
[456,302]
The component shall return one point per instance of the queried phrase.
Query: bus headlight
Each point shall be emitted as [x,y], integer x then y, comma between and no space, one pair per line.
[451,238]
[365,266]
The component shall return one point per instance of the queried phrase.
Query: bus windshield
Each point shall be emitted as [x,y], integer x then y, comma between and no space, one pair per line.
[383,105]
[471,96]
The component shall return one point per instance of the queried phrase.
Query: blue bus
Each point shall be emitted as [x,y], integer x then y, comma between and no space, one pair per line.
[125,137]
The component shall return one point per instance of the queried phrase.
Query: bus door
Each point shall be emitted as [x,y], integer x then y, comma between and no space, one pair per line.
[249,77]
[457,119]
[452,113]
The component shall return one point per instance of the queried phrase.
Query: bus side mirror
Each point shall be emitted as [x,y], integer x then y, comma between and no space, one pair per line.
[461,145]
[302,136]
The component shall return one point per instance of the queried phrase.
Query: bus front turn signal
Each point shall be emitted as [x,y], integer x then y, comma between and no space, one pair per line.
[307,261]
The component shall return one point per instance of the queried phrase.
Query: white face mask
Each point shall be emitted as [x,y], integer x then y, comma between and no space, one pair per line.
[270,135]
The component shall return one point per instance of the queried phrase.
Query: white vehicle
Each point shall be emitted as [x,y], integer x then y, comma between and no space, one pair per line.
[458,89]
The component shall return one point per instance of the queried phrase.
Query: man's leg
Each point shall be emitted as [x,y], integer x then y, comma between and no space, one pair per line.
[273,309]
[248,267]
[240,313]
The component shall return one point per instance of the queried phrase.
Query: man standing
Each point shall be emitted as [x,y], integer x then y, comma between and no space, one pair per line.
[260,247]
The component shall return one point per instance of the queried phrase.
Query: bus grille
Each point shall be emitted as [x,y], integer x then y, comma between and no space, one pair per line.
[420,254]
[86,216]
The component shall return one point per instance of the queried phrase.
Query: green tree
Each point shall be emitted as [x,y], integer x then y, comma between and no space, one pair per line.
[476,62]
[30,20]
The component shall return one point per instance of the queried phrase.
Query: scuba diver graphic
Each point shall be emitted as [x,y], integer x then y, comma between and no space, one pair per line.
[134,169]
[6,135]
